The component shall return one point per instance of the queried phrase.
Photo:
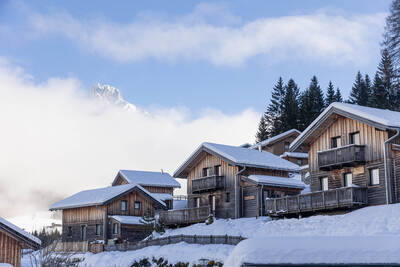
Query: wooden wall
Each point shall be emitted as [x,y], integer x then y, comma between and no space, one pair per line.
[114,208]
[278,148]
[10,250]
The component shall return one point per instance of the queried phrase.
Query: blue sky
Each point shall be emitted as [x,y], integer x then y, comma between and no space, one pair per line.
[185,57]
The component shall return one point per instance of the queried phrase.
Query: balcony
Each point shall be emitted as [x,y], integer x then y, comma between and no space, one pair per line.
[185,216]
[208,183]
[345,197]
[345,156]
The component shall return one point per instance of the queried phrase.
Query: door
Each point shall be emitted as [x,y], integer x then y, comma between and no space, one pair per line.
[249,201]
[83,232]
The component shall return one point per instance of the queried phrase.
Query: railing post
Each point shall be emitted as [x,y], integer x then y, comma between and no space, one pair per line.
[286,203]
[275,208]
[323,199]
[337,197]
[298,203]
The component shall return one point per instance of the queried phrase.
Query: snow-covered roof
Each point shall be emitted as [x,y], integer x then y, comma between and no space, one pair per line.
[20,232]
[239,156]
[380,118]
[299,155]
[304,167]
[137,220]
[148,178]
[277,181]
[162,196]
[99,196]
[275,138]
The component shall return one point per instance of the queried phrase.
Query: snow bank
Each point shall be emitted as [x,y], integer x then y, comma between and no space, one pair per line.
[369,221]
[5,265]
[278,250]
[173,253]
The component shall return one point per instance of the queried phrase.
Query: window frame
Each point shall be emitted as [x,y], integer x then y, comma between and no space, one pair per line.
[286,146]
[217,170]
[322,184]
[299,162]
[352,140]
[345,180]
[126,205]
[227,197]
[370,173]
[69,231]
[334,141]
[115,230]
[98,229]
[139,204]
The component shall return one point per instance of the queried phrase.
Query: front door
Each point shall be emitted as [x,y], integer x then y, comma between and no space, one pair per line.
[250,201]
[83,232]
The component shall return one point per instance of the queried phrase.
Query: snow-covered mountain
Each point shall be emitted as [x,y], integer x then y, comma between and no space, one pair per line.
[109,95]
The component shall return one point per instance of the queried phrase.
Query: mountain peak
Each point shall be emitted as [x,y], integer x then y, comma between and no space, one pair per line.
[109,95]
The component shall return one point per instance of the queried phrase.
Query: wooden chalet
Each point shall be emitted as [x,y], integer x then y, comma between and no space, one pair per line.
[12,240]
[354,160]
[231,182]
[154,182]
[113,212]
[279,145]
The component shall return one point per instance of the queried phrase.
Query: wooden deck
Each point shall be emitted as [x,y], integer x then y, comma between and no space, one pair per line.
[345,197]
[342,156]
[185,216]
[208,183]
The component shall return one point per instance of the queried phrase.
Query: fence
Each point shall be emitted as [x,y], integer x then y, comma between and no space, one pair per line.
[185,216]
[191,239]
[75,247]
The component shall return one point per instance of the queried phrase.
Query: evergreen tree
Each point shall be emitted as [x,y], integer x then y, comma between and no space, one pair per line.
[290,107]
[387,74]
[338,95]
[330,95]
[379,95]
[366,93]
[311,103]
[359,92]
[391,36]
[262,132]
[273,115]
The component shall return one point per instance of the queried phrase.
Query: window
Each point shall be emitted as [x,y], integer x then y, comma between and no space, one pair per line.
[124,205]
[287,144]
[374,176]
[324,183]
[217,170]
[354,138]
[115,228]
[348,179]
[69,230]
[336,142]
[299,162]
[137,205]
[83,232]
[227,197]
[206,172]
[197,200]
[98,229]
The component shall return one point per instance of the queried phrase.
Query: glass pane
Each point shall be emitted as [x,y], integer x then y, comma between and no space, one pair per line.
[375,176]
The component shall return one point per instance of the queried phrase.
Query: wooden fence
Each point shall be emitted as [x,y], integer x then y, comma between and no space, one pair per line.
[190,239]
[185,216]
[321,200]
[74,247]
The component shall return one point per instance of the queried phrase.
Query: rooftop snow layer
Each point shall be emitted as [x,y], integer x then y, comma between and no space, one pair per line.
[274,138]
[277,181]
[147,178]
[295,155]
[97,196]
[19,231]
[128,219]
[162,196]
[242,157]
[383,117]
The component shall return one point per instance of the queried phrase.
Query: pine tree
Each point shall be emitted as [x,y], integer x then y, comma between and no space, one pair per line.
[330,95]
[262,132]
[391,36]
[290,107]
[273,115]
[338,95]
[387,74]
[359,92]
[311,103]
[379,95]
[366,93]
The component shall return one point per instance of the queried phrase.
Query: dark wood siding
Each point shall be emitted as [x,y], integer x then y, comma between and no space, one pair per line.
[10,250]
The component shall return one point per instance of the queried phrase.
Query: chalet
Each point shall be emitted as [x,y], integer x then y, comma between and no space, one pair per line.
[279,145]
[232,181]
[354,160]
[12,240]
[108,213]
[160,183]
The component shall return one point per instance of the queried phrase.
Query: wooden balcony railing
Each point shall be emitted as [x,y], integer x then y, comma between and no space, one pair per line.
[335,158]
[185,216]
[345,197]
[208,183]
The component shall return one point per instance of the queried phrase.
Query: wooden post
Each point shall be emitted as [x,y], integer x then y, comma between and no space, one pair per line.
[323,199]
[337,198]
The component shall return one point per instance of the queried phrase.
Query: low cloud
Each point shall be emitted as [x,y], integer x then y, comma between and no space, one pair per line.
[323,37]
[55,141]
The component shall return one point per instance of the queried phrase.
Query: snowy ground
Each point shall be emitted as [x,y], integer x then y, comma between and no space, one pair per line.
[370,234]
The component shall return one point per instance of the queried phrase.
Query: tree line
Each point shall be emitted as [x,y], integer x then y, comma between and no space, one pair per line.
[289,108]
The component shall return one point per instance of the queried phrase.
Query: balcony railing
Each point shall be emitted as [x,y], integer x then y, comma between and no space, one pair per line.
[345,197]
[336,158]
[208,183]
[185,216]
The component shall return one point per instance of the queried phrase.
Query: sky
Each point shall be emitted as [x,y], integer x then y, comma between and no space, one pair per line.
[196,71]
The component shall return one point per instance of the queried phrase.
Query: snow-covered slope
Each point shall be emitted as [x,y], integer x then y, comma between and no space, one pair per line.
[110,96]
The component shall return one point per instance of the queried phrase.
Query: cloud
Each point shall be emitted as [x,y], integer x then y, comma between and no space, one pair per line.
[55,141]
[324,37]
